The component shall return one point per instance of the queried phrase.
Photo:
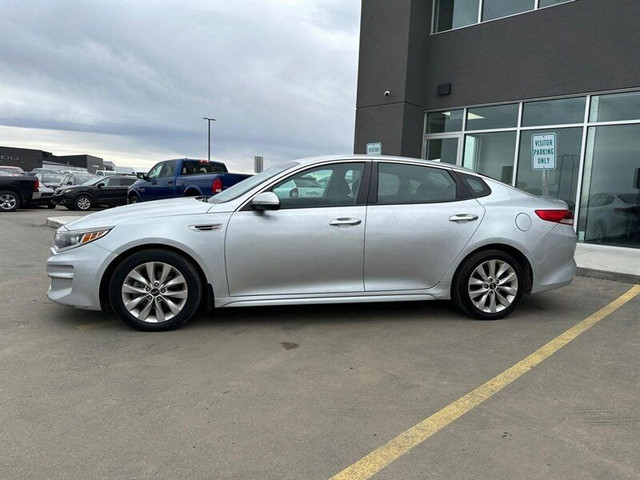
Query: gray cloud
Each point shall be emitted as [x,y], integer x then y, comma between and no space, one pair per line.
[280,77]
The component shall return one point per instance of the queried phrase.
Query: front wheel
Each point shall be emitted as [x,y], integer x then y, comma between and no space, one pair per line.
[9,201]
[51,206]
[133,199]
[155,290]
[83,202]
[488,285]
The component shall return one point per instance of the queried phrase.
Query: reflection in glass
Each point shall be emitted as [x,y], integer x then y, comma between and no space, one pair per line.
[443,149]
[548,3]
[553,112]
[438,122]
[501,8]
[617,106]
[455,13]
[491,154]
[610,203]
[500,116]
[563,181]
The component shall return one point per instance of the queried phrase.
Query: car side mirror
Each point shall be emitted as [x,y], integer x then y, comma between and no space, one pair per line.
[101,184]
[265,201]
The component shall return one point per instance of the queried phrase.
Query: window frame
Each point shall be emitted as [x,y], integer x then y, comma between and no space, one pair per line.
[462,193]
[536,7]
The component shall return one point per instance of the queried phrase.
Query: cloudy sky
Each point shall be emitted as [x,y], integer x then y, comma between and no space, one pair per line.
[130,81]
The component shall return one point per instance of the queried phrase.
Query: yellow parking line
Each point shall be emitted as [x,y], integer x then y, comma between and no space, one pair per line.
[91,326]
[375,461]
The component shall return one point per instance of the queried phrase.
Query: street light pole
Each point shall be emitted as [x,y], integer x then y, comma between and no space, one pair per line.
[209,120]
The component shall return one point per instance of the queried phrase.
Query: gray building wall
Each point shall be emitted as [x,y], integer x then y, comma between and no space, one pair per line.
[25,158]
[576,47]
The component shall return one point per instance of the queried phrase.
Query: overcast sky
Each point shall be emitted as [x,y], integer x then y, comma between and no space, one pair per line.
[131,81]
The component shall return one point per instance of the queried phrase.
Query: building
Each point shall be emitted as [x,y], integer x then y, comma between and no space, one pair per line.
[542,94]
[28,159]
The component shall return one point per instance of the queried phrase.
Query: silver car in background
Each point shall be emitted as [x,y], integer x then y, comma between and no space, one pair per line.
[381,229]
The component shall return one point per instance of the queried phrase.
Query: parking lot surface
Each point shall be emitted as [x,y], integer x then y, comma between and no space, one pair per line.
[304,392]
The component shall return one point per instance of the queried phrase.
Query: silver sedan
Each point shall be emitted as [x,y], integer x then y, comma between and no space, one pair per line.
[380,229]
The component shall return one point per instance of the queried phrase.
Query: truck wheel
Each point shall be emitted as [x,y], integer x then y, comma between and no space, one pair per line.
[9,201]
[155,290]
[133,199]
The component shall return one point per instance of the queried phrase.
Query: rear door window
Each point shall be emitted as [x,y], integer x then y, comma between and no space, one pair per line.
[405,184]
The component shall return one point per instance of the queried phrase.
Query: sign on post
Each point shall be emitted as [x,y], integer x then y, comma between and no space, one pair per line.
[543,151]
[374,148]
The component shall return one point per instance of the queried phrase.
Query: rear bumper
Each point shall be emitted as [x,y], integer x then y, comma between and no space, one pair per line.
[552,261]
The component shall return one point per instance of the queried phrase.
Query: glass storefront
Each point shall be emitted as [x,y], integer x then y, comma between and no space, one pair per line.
[595,149]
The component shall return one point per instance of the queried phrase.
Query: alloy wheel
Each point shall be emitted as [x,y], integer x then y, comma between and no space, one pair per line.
[8,201]
[154,292]
[83,203]
[493,286]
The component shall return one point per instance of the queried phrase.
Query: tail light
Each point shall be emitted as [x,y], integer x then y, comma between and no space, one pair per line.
[557,216]
[216,186]
[36,186]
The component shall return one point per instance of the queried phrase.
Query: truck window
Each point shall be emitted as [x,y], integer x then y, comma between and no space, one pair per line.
[196,167]
[168,170]
[155,171]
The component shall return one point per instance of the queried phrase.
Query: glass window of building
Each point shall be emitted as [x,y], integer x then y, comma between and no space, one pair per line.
[491,154]
[553,112]
[610,204]
[617,106]
[562,182]
[501,8]
[439,122]
[443,149]
[548,3]
[454,14]
[500,116]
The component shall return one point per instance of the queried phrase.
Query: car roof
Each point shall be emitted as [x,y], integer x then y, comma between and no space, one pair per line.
[381,158]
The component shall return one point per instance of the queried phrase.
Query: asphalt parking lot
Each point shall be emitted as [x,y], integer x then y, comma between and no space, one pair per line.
[304,392]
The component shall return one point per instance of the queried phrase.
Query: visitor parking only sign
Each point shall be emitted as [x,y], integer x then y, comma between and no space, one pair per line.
[543,151]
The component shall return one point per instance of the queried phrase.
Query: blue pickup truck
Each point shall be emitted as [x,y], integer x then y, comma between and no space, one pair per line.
[183,177]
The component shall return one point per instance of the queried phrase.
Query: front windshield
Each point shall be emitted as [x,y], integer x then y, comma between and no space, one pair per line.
[244,186]
[88,179]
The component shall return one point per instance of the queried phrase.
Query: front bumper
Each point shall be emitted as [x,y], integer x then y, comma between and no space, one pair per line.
[75,275]
[62,200]
[553,260]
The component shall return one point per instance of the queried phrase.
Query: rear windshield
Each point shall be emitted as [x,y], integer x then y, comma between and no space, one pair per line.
[196,167]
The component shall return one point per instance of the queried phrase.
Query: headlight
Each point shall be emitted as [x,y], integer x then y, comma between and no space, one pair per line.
[68,239]
[66,190]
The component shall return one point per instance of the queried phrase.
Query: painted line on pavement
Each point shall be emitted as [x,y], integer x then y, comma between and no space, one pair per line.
[91,326]
[375,461]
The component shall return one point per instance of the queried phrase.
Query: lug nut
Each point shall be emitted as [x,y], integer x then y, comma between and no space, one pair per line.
[163,290]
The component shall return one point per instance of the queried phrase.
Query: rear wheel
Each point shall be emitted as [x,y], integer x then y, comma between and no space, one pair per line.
[83,202]
[155,290]
[488,285]
[9,201]
[51,206]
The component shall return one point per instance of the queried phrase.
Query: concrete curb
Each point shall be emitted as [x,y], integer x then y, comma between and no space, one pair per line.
[607,275]
[57,222]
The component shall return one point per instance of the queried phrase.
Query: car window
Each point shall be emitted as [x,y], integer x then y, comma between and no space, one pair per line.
[168,170]
[339,186]
[155,171]
[125,182]
[402,183]
[195,167]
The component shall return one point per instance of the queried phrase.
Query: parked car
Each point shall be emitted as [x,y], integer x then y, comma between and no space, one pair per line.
[301,187]
[43,196]
[16,190]
[431,230]
[105,173]
[12,170]
[183,178]
[101,191]
[611,216]
[52,171]
[76,178]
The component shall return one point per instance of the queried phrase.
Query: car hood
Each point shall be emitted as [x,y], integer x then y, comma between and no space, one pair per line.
[141,211]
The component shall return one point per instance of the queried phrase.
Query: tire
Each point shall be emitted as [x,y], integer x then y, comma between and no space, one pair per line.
[481,296]
[130,281]
[69,207]
[9,201]
[83,203]
[133,199]
[51,206]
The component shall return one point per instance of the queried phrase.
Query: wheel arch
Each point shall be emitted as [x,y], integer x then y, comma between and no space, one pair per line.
[108,273]
[192,192]
[520,257]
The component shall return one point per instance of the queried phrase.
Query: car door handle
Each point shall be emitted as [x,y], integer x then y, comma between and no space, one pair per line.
[463,217]
[341,222]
